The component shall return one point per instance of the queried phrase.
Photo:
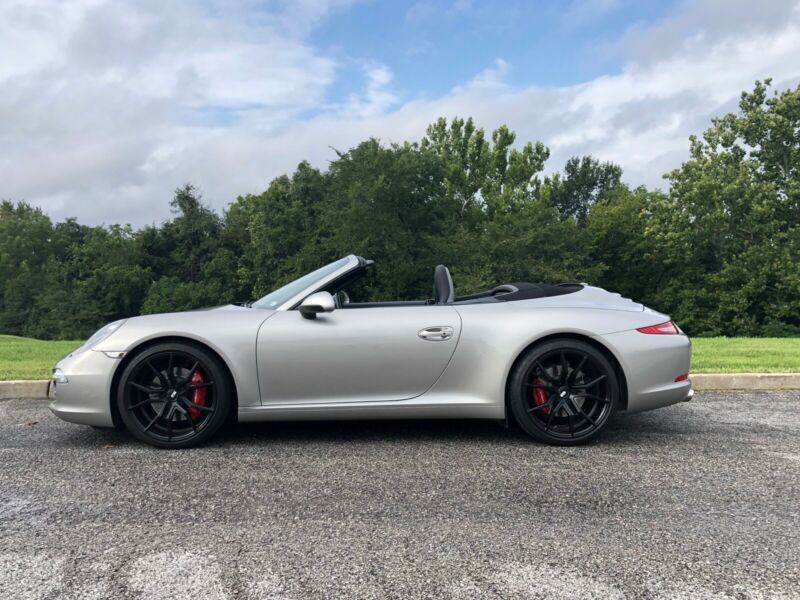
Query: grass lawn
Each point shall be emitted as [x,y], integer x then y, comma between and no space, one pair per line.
[745,355]
[24,358]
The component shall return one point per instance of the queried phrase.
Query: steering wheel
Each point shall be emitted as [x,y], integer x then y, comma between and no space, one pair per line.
[506,288]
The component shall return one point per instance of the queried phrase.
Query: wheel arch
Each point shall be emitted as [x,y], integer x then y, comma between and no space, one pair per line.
[143,345]
[605,350]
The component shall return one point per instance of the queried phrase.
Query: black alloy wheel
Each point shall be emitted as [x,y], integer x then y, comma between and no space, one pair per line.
[173,395]
[563,392]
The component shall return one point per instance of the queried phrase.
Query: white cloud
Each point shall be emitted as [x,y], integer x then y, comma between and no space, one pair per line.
[97,99]
[699,24]
[490,79]
[377,96]
[106,108]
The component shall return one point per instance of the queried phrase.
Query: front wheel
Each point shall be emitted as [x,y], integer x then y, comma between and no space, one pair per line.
[563,392]
[174,395]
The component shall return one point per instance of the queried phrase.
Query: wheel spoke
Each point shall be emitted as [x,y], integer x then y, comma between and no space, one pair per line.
[188,416]
[593,397]
[547,404]
[170,369]
[571,421]
[188,378]
[158,373]
[564,367]
[157,417]
[544,373]
[585,416]
[197,386]
[592,383]
[200,407]
[144,388]
[143,402]
[549,421]
[577,369]
[190,419]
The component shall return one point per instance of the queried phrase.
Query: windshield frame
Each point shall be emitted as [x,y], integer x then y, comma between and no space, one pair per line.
[352,262]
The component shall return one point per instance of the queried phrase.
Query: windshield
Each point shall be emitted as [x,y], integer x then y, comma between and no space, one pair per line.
[281,295]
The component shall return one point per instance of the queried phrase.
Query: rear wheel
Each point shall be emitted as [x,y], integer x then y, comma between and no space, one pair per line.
[563,392]
[174,395]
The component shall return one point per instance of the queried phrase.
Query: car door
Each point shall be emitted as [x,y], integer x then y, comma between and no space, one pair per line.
[355,354]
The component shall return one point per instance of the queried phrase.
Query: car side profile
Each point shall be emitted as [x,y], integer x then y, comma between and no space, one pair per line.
[559,360]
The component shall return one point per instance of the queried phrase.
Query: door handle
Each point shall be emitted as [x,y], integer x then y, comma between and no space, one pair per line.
[436,334]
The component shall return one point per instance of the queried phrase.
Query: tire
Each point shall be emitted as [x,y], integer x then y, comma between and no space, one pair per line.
[563,392]
[174,395]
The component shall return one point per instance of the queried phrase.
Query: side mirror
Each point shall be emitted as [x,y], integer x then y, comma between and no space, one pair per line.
[316,303]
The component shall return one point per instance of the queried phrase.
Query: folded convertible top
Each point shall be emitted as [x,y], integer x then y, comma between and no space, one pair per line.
[524,291]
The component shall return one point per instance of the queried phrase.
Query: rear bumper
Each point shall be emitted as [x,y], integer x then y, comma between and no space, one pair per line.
[659,396]
[85,397]
[651,364]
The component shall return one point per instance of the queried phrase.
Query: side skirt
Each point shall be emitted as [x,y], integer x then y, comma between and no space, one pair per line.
[456,408]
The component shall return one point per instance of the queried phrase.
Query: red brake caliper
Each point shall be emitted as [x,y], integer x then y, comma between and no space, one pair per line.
[198,395]
[539,397]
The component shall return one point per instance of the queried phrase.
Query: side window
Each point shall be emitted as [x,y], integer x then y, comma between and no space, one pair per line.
[361,289]
[342,299]
[356,291]
[351,289]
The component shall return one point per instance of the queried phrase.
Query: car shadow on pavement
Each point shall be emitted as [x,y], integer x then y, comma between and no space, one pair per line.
[622,430]
[366,431]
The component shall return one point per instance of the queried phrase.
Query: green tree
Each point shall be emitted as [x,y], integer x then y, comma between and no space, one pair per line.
[285,235]
[180,256]
[584,182]
[728,232]
[26,247]
[488,192]
[385,203]
[618,229]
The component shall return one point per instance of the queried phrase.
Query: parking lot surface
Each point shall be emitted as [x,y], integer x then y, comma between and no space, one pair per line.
[699,500]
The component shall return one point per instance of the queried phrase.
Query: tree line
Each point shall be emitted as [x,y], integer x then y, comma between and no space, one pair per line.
[720,251]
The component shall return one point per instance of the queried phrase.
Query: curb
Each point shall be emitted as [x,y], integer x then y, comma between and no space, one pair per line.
[41,389]
[746,381]
[35,389]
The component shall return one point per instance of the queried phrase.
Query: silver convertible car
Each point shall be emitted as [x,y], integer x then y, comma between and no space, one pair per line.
[559,360]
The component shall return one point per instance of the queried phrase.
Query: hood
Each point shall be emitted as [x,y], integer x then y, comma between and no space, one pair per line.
[224,307]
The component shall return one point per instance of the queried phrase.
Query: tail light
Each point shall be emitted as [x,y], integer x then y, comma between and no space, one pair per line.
[668,328]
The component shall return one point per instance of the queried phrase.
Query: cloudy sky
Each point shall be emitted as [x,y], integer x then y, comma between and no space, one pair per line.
[107,106]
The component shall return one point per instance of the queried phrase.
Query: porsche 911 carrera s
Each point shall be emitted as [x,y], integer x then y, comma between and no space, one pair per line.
[559,360]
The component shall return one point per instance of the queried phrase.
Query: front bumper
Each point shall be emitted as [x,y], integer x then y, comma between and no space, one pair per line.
[85,397]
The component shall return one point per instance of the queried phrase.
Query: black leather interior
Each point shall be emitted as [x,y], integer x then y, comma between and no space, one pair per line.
[443,291]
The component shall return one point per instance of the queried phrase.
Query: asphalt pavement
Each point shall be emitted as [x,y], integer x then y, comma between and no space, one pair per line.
[699,500]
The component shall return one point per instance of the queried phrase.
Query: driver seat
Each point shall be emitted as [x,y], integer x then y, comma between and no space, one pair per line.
[443,290]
